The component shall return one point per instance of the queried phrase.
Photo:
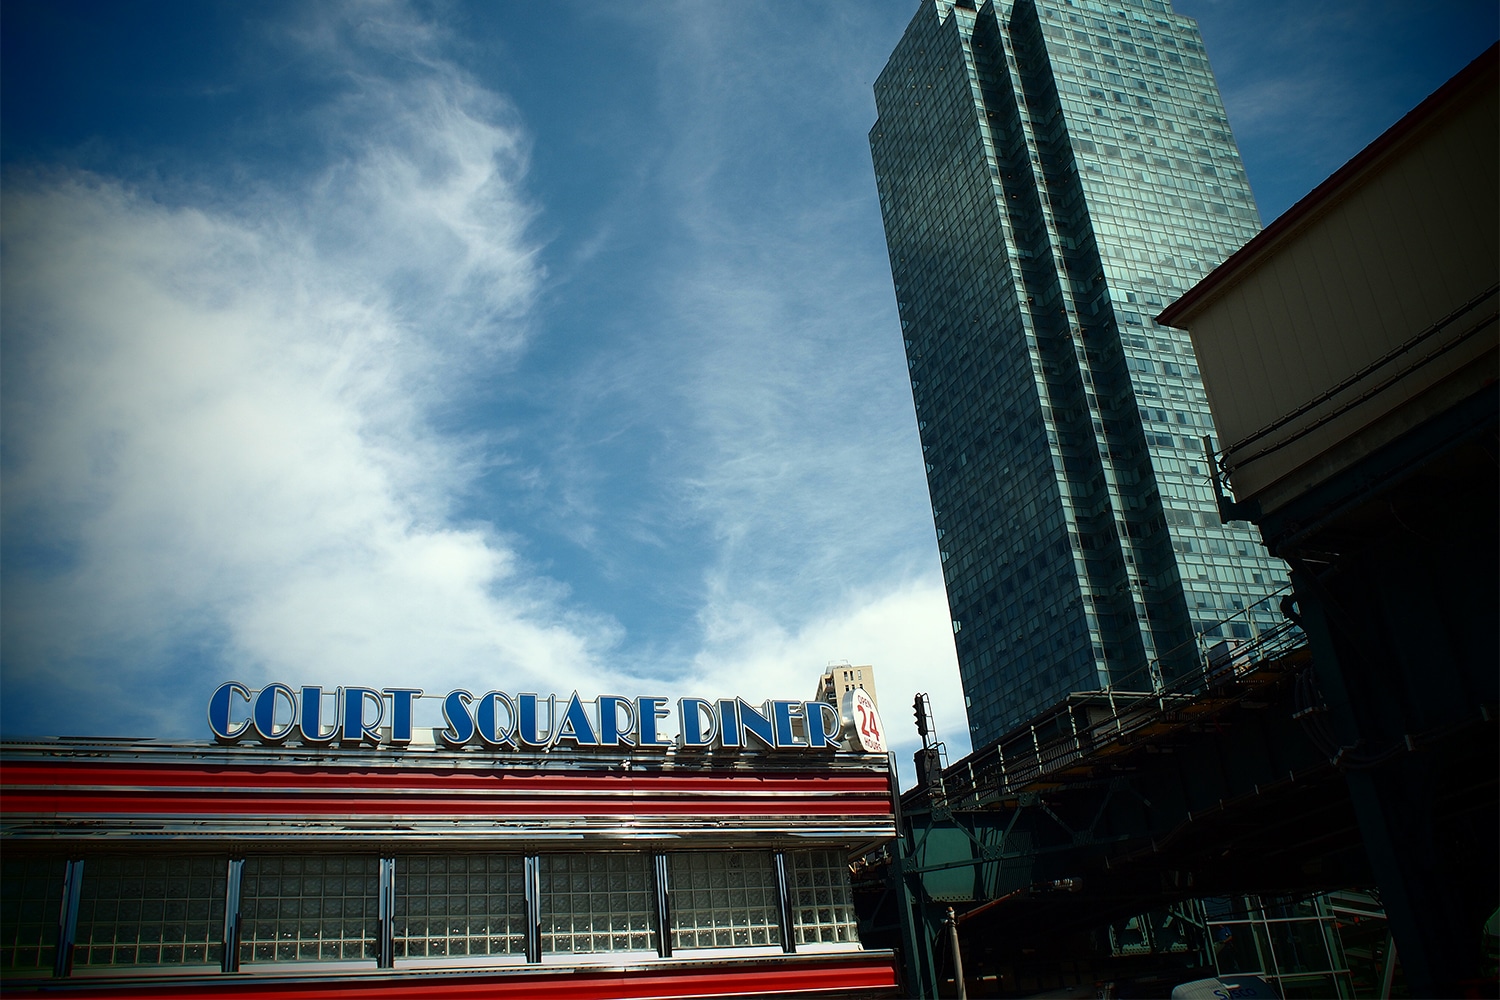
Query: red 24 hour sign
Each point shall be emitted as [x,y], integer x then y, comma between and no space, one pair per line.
[860,714]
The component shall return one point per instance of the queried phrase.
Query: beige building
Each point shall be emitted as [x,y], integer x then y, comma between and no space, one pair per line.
[1351,361]
[1364,311]
[841,677]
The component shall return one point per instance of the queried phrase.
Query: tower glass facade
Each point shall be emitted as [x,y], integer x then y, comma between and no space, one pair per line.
[1051,174]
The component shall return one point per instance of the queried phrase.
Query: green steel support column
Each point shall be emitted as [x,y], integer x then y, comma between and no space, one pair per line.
[915,947]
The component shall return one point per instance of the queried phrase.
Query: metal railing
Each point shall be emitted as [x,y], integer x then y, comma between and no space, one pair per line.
[1087,723]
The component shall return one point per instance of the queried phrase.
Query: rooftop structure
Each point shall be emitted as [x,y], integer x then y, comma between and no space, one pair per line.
[842,677]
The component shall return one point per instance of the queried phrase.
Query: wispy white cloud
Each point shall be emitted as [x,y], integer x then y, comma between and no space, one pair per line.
[219,446]
[768,348]
[224,412]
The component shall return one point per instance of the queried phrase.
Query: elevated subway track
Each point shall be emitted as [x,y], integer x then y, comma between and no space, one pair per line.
[1117,802]
[1094,732]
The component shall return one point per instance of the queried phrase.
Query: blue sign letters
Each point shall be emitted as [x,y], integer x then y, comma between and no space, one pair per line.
[366,717]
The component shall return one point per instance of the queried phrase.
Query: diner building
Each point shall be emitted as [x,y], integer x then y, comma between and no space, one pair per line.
[306,865]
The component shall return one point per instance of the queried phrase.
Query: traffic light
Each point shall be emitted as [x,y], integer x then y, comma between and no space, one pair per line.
[920,708]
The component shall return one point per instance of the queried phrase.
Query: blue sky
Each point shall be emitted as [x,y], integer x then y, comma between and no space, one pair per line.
[501,345]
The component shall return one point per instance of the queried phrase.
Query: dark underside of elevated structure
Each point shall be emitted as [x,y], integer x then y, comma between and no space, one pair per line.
[1112,806]
[1394,564]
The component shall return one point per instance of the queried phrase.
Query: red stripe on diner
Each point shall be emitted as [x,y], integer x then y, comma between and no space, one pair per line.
[76,802]
[26,774]
[730,979]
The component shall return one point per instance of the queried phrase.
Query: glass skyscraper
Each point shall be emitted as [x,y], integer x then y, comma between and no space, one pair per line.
[1051,174]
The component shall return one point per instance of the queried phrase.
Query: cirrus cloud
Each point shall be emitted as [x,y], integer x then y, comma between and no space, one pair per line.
[220,448]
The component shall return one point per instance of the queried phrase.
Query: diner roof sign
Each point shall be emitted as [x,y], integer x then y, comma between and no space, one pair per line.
[370,717]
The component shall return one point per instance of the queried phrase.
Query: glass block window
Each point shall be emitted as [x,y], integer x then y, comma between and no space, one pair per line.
[151,911]
[309,909]
[457,905]
[597,903]
[726,899]
[822,899]
[31,891]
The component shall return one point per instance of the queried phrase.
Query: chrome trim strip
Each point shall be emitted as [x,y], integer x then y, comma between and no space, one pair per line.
[231,958]
[374,977]
[67,919]
[556,829]
[428,791]
[499,819]
[784,913]
[533,875]
[386,958]
[417,757]
[663,884]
